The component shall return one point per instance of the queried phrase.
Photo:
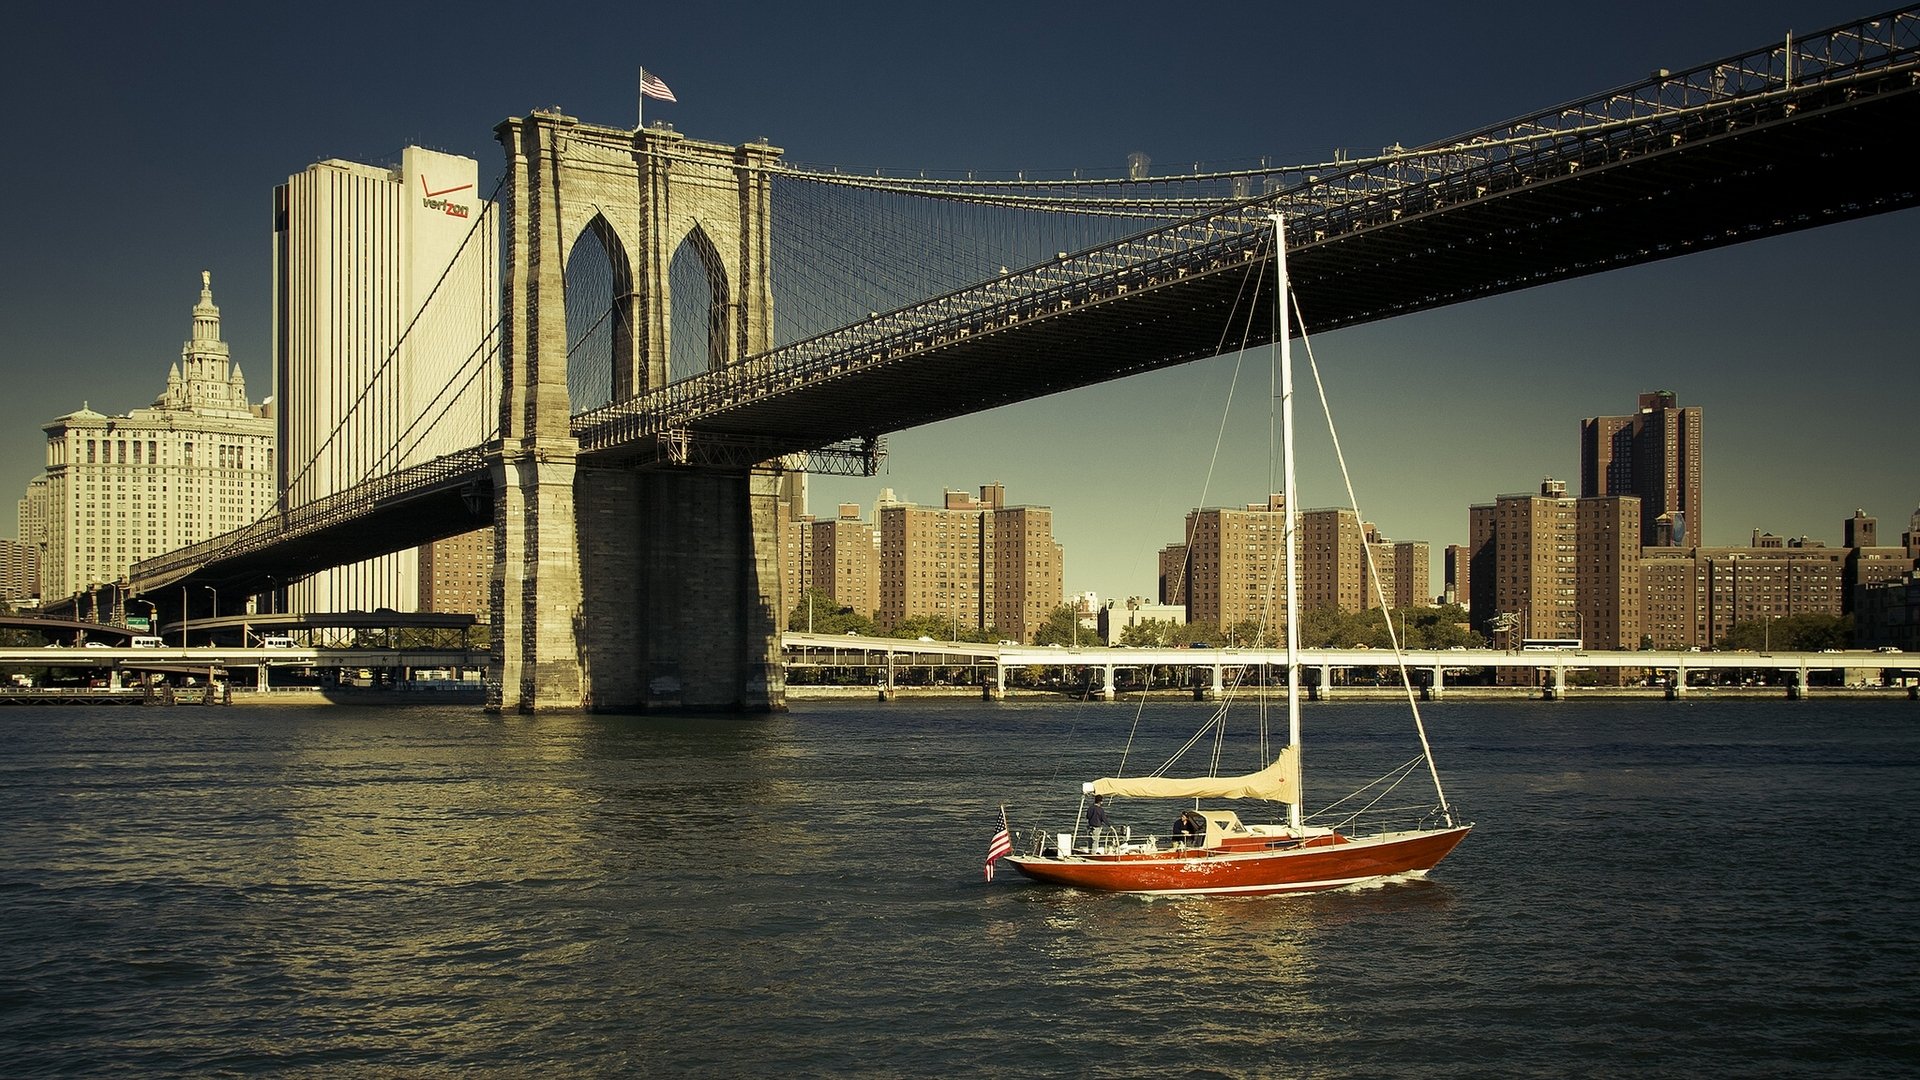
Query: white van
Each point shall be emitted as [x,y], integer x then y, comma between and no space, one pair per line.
[148,641]
[275,641]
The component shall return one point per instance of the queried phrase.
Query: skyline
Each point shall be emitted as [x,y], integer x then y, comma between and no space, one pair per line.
[1792,346]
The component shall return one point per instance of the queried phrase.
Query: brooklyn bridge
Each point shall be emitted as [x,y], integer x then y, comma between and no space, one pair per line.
[633,504]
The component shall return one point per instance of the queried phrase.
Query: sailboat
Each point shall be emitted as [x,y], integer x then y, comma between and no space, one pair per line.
[1211,849]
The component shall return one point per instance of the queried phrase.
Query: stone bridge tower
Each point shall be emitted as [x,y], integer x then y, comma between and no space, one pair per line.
[618,589]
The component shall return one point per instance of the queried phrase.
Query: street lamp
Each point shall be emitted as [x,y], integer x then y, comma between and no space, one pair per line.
[153,613]
[215,593]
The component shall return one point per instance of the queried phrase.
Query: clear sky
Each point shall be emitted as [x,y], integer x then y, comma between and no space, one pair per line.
[147,140]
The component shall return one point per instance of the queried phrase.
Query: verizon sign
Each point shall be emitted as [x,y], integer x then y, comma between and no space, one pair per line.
[436,200]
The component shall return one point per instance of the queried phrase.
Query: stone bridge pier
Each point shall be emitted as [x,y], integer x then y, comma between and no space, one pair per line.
[681,589]
[629,587]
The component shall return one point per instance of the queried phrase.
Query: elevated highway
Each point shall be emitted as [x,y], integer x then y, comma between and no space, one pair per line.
[118,663]
[1552,668]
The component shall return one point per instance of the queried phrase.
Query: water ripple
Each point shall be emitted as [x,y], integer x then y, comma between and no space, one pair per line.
[1656,891]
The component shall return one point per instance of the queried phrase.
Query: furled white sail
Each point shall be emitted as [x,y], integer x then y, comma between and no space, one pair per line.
[1278,782]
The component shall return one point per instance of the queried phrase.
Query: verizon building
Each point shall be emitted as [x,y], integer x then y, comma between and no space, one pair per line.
[386,308]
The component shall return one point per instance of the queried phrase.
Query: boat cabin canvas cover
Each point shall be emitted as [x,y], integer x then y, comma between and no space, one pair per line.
[1278,782]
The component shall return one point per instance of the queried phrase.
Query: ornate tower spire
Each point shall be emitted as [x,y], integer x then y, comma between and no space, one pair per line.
[204,380]
[206,315]
[204,356]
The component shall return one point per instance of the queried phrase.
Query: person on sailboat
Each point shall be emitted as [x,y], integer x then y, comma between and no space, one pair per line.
[1097,818]
[1189,828]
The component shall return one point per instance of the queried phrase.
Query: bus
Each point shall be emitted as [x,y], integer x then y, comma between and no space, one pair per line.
[1550,644]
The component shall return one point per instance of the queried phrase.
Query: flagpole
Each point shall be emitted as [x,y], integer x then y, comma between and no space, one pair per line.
[650,86]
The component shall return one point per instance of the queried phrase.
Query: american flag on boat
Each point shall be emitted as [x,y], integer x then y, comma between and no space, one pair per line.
[1001,844]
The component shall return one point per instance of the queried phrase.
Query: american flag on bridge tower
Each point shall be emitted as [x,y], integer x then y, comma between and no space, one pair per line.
[651,86]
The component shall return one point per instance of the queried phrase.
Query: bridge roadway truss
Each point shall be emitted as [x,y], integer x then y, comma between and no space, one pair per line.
[1757,145]
[1723,154]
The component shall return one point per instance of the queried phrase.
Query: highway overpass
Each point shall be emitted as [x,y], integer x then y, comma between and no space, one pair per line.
[1431,668]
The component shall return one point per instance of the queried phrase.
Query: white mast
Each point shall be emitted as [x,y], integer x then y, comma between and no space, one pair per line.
[1289,514]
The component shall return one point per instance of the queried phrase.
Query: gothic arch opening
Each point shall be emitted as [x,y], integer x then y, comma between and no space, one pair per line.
[702,299]
[599,302]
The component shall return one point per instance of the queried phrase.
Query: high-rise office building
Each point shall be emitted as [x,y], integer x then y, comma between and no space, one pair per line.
[796,555]
[978,562]
[454,574]
[1403,569]
[1458,575]
[1333,559]
[1608,592]
[19,571]
[1478,579]
[1868,566]
[1696,596]
[1233,564]
[839,557]
[1413,574]
[1230,568]
[1172,576]
[1380,560]
[386,307]
[32,523]
[196,463]
[1693,597]
[846,560]
[1559,567]
[1654,455]
[1029,573]
[1888,613]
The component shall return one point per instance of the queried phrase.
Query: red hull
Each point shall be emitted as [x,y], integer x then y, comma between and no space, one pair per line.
[1210,871]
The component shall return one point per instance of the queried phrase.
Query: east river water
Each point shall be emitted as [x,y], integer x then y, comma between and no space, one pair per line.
[1653,889]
